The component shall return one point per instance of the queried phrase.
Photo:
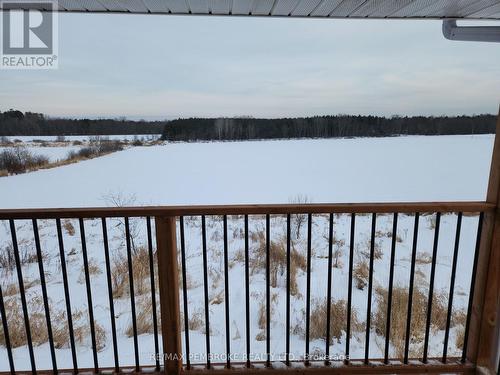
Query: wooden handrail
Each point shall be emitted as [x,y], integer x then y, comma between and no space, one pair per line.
[354,367]
[256,209]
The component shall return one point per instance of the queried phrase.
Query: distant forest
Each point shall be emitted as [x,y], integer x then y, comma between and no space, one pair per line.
[208,129]
[18,123]
[14,123]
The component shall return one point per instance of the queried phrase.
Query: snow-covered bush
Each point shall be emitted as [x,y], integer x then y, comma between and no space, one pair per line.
[19,159]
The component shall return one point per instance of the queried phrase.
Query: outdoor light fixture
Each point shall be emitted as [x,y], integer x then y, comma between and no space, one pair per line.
[470,33]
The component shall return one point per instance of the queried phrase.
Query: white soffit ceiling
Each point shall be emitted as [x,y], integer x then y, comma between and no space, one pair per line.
[388,9]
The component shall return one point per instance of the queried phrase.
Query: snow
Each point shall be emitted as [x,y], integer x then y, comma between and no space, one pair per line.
[340,170]
[81,138]
[442,168]
[53,153]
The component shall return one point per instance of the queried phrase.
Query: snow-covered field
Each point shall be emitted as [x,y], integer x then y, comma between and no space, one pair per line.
[81,138]
[342,170]
[416,168]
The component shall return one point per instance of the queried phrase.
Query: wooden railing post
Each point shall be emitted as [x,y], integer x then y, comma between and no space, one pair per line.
[484,330]
[168,276]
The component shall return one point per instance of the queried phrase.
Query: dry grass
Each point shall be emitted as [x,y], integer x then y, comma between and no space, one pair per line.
[460,337]
[380,234]
[419,315]
[4,172]
[277,252]
[7,261]
[68,227]
[71,159]
[338,252]
[26,255]
[191,283]
[94,269]
[458,318]
[432,222]
[144,318]
[60,330]
[38,326]
[398,315]
[81,331]
[197,321]
[12,289]
[388,234]
[261,336]
[15,323]
[360,273]
[423,258]
[262,318]
[140,273]
[216,236]
[439,311]
[19,159]
[365,249]
[238,233]
[338,316]
[217,299]
[119,277]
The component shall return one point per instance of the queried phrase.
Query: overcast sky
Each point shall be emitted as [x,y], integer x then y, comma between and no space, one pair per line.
[178,66]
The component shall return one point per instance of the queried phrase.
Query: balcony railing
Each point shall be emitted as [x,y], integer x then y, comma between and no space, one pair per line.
[319,287]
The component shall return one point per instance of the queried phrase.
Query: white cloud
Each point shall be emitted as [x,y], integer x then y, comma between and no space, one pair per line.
[213,66]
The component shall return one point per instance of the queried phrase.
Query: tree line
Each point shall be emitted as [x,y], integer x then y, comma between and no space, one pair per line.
[209,129]
[15,122]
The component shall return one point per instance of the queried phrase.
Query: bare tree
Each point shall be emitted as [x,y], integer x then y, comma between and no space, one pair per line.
[299,219]
[119,199]
[338,252]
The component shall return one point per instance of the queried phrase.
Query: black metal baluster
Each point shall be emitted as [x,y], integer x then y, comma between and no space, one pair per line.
[410,290]
[268,292]
[89,295]
[6,334]
[452,287]
[349,288]
[472,285]
[431,287]
[247,292]
[23,295]
[389,294]
[226,295]
[110,293]
[69,314]
[44,295]
[132,293]
[370,287]
[329,290]
[153,293]
[205,287]
[288,265]
[498,366]
[184,291]
[308,286]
